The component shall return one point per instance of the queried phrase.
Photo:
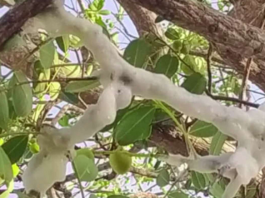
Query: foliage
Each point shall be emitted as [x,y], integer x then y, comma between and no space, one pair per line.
[21,119]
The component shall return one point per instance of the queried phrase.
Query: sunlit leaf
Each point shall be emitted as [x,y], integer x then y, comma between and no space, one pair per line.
[54,90]
[15,170]
[15,147]
[34,148]
[104,12]
[44,75]
[9,189]
[177,45]
[188,65]
[96,5]
[72,71]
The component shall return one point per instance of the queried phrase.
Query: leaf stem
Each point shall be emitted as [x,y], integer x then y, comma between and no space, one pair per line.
[124,152]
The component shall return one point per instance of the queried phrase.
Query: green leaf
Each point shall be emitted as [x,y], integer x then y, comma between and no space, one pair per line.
[4,110]
[189,65]
[47,52]
[81,86]
[104,12]
[87,152]
[54,90]
[64,121]
[217,143]
[163,178]
[195,83]
[251,191]
[117,196]
[185,48]
[177,194]
[135,125]
[199,181]
[22,195]
[15,147]
[216,189]
[6,172]
[21,94]
[119,116]
[72,71]
[63,42]
[15,170]
[137,53]
[92,196]
[203,129]
[34,148]
[44,74]
[10,188]
[97,5]
[172,34]
[167,65]
[69,97]
[177,45]
[86,168]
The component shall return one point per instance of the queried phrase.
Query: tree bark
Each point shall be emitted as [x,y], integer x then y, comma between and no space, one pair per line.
[234,40]
[12,21]
[143,19]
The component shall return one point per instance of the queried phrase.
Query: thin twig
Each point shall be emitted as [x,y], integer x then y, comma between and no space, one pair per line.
[66,80]
[77,176]
[208,60]
[224,98]
[81,6]
[176,52]
[244,81]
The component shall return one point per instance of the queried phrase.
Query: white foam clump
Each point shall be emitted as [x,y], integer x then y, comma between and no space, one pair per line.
[49,165]
[121,81]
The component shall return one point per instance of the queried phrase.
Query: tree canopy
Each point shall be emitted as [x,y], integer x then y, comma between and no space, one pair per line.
[132,98]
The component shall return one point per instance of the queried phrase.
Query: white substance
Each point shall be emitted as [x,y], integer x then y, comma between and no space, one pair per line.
[43,170]
[121,81]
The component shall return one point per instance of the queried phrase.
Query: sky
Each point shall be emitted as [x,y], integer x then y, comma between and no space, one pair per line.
[110,5]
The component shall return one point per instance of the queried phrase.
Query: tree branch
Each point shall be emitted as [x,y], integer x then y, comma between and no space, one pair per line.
[12,21]
[231,38]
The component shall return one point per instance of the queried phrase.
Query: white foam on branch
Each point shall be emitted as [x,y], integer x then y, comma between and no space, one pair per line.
[121,81]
